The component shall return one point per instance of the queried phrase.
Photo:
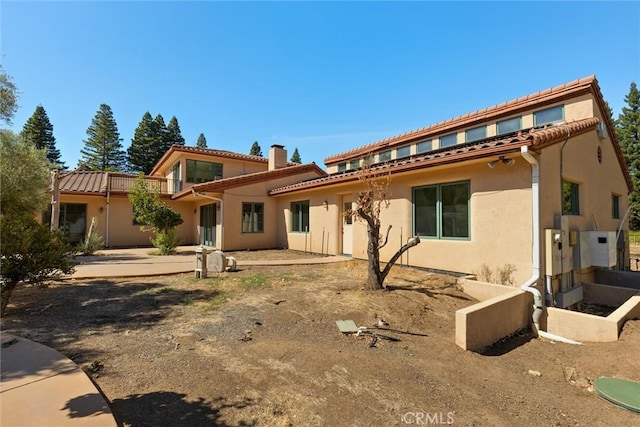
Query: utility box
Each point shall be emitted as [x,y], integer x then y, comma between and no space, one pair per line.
[598,249]
[558,253]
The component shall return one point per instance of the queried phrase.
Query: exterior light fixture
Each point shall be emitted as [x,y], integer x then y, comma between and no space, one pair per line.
[326,205]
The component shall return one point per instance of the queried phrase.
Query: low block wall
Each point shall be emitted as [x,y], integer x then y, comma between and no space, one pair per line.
[482,324]
[587,327]
[625,279]
[483,291]
[611,296]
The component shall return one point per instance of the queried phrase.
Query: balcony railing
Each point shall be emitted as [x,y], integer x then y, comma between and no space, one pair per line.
[163,185]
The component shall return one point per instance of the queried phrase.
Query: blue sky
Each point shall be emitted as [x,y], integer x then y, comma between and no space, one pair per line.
[322,77]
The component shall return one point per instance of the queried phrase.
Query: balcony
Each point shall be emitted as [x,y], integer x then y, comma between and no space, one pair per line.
[162,185]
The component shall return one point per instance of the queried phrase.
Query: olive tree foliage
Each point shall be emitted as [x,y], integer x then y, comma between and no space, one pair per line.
[30,252]
[154,215]
[8,97]
[373,198]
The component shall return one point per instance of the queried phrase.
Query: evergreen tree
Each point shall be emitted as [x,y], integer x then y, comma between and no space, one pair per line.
[103,148]
[8,97]
[202,141]
[175,136]
[295,157]
[38,131]
[142,151]
[161,136]
[255,149]
[628,132]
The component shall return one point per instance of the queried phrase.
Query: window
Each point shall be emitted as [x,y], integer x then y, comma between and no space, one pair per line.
[549,115]
[448,140]
[403,152]
[199,171]
[615,206]
[570,198]
[442,211]
[424,146]
[509,125]
[300,216]
[354,164]
[475,134]
[253,217]
[384,156]
[73,221]
[342,167]
[175,177]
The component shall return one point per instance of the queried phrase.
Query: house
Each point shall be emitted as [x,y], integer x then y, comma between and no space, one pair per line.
[480,190]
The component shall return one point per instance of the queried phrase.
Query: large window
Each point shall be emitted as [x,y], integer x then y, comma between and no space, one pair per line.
[342,167]
[448,140]
[615,206]
[442,211]
[403,152]
[570,198]
[548,115]
[73,221]
[198,171]
[384,156]
[300,216]
[175,176]
[475,134]
[253,217]
[509,125]
[424,146]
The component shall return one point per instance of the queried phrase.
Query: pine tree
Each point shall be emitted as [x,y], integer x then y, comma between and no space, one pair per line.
[295,157]
[255,149]
[161,136]
[202,141]
[628,132]
[175,136]
[141,153]
[103,148]
[38,131]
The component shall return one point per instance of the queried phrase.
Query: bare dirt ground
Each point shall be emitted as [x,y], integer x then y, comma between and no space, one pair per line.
[261,347]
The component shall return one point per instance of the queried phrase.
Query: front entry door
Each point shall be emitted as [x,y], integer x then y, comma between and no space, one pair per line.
[208,225]
[347,229]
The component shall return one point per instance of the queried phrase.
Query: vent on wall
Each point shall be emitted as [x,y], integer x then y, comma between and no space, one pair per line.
[601,130]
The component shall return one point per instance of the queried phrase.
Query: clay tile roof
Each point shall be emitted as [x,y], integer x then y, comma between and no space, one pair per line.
[504,109]
[489,147]
[252,178]
[90,182]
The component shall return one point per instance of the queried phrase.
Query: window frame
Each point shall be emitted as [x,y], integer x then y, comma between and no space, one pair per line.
[423,144]
[615,206]
[477,137]
[404,148]
[342,167]
[194,163]
[512,119]
[439,210]
[384,156]
[570,204]
[298,224]
[354,164]
[259,222]
[546,110]
[453,136]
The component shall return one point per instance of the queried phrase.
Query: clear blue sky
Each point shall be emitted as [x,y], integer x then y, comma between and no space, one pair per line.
[323,77]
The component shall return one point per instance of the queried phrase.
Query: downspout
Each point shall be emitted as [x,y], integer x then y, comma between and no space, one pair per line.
[538,302]
[108,205]
[206,196]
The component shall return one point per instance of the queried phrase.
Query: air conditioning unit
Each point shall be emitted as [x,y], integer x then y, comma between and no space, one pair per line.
[598,249]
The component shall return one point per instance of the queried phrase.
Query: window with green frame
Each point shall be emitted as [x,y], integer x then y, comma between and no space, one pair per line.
[199,171]
[442,211]
[615,206]
[253,217]
[300,216]
[570,198]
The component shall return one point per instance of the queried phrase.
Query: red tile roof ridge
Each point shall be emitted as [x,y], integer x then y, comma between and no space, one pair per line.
[464,119]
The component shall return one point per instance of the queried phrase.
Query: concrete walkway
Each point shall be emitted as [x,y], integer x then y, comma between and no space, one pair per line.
[137,262]
[41,387]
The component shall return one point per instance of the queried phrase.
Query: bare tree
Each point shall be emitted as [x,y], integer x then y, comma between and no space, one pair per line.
[374,197]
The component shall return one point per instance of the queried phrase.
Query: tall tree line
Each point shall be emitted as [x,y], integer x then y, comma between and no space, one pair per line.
[628,132]
[151,139]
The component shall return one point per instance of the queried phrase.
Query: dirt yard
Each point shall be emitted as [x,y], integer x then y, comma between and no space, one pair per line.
[261,347]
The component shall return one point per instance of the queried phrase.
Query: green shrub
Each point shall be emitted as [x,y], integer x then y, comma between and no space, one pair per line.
[94,242]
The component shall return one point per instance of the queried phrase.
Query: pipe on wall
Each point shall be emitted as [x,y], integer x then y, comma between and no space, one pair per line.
[538,302]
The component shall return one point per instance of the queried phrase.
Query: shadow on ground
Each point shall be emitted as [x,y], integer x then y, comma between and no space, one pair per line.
[172,409]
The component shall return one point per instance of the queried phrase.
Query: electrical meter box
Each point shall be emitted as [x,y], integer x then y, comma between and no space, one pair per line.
[558,253]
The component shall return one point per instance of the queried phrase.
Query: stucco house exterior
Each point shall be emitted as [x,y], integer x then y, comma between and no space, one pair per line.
[479,190]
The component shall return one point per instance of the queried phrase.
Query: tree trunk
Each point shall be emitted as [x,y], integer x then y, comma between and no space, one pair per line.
[5,296]
[374,280]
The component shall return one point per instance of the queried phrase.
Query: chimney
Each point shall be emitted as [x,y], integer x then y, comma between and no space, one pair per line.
[277,157]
